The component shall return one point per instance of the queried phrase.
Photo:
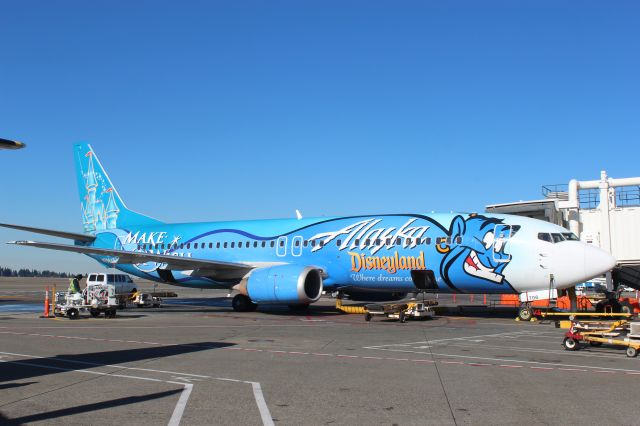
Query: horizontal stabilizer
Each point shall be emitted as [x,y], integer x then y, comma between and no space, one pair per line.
[216,270]
[73,236]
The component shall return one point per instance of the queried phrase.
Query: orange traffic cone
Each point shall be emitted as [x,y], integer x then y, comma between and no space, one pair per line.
[46,303]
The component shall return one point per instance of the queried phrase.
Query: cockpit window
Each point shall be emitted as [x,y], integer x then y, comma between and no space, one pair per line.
[545,237]
[557,238]
[570,236]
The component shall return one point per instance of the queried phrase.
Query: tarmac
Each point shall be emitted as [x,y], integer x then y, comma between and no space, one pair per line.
[196,362]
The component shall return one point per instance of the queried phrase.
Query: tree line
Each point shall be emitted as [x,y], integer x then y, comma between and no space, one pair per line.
[8,272]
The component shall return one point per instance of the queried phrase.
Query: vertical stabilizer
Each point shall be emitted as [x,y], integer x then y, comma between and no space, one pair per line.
[102,207]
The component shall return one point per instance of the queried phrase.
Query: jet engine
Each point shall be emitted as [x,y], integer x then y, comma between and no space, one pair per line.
[292,284]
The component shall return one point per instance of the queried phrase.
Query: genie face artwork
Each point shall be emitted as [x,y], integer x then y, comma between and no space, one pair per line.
[480,258]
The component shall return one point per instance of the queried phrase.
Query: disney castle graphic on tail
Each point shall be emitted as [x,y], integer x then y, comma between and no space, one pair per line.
[98,215]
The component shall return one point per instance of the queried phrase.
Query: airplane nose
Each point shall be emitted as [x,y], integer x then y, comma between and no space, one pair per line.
[597,261]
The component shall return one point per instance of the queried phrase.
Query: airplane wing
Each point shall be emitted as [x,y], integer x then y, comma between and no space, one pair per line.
[73,236]
[214,269]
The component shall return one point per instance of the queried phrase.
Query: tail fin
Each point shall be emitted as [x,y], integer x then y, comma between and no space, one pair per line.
[102,207]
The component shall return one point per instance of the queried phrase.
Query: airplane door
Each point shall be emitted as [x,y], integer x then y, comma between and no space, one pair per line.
[281,246]
[501,234]
[296,246]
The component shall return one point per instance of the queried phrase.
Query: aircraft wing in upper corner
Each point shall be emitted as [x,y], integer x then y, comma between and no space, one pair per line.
[213,269]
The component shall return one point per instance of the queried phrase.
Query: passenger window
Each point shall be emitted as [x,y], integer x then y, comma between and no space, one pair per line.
[218,245]
[264,244]
[313,243]
[305,243]
[357,241]
[448,240]
[188,246]
[233,244]
[100,278]
[543,236]
[297,243]
[458,240]
[92,277]
[388,241]
[281,243]
[367,242]
[338,242]
[273,244]
[427,240]
[210,245]
[408,242]
[398,241]
[225,244]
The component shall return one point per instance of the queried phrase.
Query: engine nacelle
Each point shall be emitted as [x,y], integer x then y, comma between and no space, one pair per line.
[293,284]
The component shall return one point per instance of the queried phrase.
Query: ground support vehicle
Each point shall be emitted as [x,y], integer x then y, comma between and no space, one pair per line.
[617,333]
[94,300]
[145,300]
[401,311]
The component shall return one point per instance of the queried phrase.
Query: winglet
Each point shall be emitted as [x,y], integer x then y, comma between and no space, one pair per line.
[298,214]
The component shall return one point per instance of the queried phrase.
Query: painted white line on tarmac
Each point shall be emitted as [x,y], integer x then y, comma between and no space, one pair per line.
[555,364]
[178,411]
[257,392]
[267,420]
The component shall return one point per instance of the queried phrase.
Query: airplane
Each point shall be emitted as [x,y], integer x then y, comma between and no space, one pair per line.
[293,261]
[7,144]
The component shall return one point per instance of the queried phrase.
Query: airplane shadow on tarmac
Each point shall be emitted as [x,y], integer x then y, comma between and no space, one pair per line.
[13,371]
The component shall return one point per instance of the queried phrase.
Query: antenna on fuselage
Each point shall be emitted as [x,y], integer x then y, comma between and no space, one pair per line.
[298,214]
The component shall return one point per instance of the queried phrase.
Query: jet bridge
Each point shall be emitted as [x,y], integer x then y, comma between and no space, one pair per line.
[604,212]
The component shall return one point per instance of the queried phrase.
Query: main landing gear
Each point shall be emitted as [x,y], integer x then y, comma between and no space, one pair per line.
[242,303]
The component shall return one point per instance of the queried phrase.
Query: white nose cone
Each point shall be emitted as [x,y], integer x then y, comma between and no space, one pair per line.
[596,262]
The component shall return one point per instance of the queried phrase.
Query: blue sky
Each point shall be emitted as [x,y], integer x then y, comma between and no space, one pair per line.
[233,110]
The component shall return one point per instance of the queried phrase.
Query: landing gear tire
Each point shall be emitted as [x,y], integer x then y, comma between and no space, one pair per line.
[242,303]
[367,317]
[595,344]
[632,352]
[570,344]
[73,313]
[525,313]
[94,313]
[110,313]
